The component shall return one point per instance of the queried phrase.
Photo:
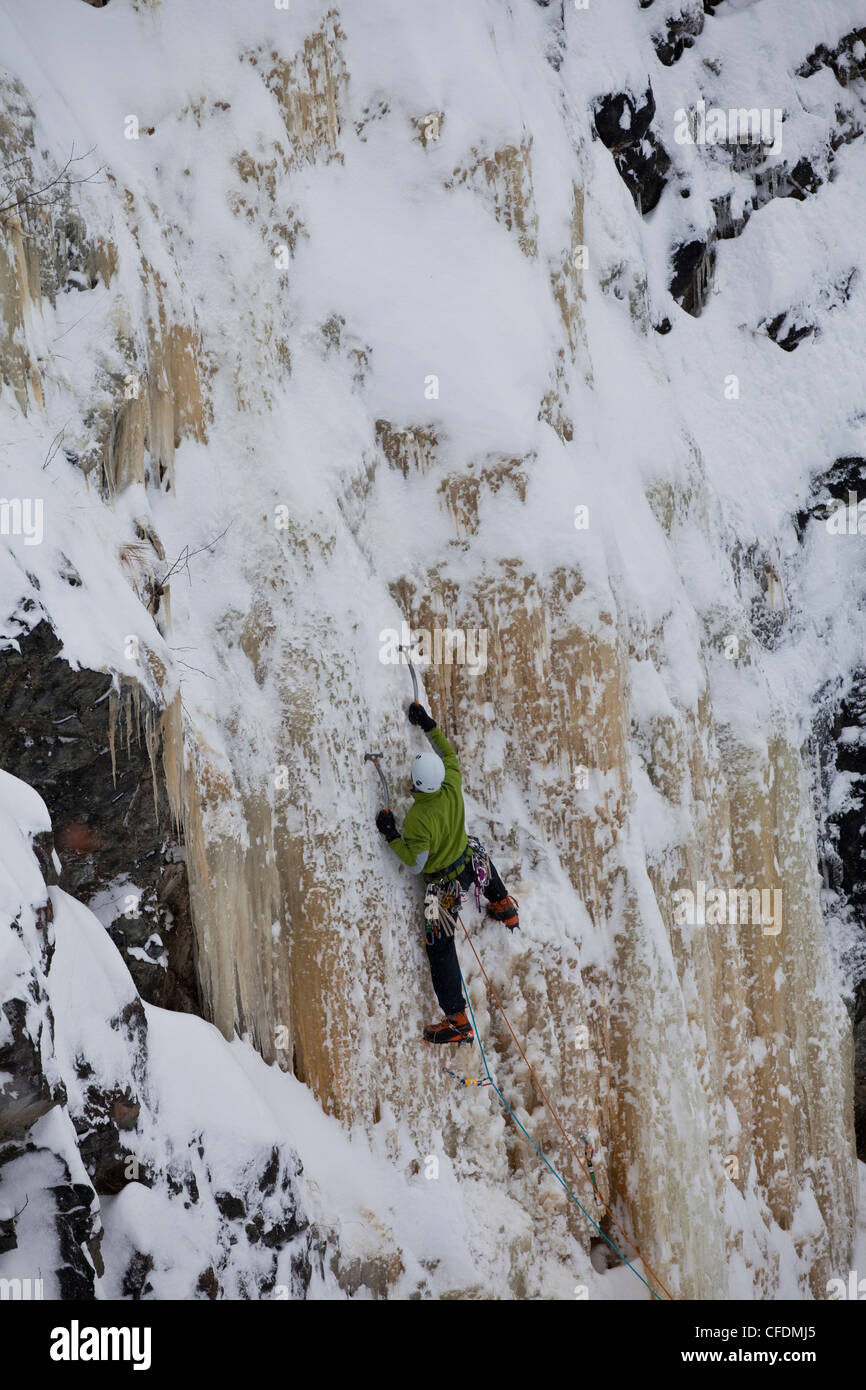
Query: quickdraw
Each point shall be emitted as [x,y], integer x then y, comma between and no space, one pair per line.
[464,1080]
[480,868]
[468,1080]
[441,903]
[588,1152]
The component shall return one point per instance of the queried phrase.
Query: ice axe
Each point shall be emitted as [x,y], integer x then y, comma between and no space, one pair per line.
[374,758]
[407,647]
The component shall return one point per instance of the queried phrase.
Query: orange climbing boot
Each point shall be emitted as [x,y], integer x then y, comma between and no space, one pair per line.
[456,1028]
[505,911]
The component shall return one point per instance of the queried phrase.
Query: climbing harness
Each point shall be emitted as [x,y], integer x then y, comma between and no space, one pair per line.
[451,871]
[445,893]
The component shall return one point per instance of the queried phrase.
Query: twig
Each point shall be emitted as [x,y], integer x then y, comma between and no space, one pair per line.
[18,160]
[183,559]
[61,181]
[55,445]
[197,668]
[70,328]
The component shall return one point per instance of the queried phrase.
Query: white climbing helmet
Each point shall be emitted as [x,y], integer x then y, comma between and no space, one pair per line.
[428,772]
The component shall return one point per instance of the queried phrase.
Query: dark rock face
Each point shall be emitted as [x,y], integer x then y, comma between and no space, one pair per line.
[847,59]
[643,169]
[35,1175]
[260,1240]
[620,120]
[109,1109]
[273,1236]
[839,741]
[109,827]
[840,746]
[267,1215]
[788,330]
[801,321]
[678,34]
[28,1095]
[624,127]
[729,224]
[77,1231]
[692,271]
[849,827]
[207,1284]
[135,1283]
[8,1239]
[230,1206]
[846,475]
[804,179]
[849,834]
[860,1073]
[40,1179]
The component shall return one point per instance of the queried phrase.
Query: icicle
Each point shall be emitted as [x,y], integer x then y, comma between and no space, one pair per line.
[112,726]
[151,740]
[171,736]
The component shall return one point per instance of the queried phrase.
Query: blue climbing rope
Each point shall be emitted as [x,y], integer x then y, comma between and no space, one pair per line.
[545,1160]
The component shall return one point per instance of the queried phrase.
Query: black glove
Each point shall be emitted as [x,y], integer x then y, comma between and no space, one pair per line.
[418,715]
[386,825]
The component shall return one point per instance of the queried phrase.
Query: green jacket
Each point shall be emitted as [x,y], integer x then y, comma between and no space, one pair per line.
[434,831]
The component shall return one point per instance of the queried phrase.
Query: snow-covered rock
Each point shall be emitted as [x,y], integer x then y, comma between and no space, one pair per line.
[386,313]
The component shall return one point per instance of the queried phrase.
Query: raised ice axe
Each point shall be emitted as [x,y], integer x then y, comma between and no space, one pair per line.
[375,759]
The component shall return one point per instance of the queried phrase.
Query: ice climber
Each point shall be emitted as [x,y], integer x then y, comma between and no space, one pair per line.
[434,842]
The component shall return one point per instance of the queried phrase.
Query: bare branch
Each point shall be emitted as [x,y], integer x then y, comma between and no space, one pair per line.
[70,328]
[19,160]
[61,183]
[183,559]
[55,445]
[197,668]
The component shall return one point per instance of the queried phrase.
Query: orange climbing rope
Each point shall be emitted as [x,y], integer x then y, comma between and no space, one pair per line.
[543,1095]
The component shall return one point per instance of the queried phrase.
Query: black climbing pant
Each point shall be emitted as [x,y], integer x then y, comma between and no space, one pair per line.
[442,950]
